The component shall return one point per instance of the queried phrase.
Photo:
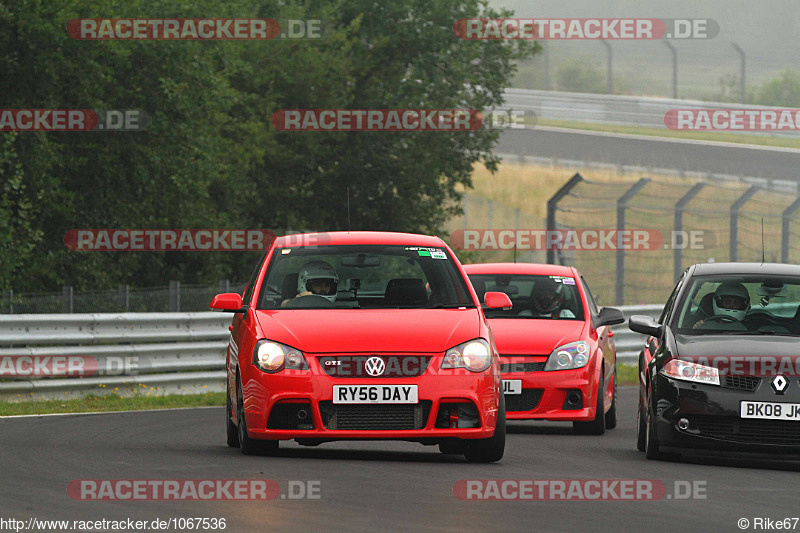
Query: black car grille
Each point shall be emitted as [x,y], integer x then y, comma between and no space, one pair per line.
[746,383]
[375,417]
[749,430]
[354,366]
[526,401]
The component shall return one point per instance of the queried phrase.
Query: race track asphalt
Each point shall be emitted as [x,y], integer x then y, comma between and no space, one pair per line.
[374,486]
[652,152]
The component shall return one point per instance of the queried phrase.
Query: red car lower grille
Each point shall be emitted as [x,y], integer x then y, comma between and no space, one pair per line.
[748,430]
[374,417]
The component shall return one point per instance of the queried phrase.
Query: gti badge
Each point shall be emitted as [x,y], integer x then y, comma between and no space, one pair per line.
[780,384]
[375,366]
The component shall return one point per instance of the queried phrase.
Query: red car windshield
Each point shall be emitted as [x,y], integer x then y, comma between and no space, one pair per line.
[363,276]
[541,297]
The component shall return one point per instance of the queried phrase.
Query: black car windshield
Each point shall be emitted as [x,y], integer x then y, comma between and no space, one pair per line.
[363,276]
[542,297]
[740,305]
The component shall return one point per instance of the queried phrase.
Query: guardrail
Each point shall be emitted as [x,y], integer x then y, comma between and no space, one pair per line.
[618,110]
[68,356]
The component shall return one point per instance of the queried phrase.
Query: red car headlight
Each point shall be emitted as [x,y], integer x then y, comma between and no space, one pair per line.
[272,357]
[569,356]
[475,356]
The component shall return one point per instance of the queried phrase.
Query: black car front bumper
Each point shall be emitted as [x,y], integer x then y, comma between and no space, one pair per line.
[713,415]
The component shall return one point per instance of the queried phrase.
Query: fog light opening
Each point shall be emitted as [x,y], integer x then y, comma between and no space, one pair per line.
[683,424]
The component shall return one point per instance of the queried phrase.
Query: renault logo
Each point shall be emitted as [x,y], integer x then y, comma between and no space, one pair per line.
[375,366]
[780,383]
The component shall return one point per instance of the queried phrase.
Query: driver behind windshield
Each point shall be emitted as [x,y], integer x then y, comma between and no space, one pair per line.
[316,278]
[730,300]
[546,300]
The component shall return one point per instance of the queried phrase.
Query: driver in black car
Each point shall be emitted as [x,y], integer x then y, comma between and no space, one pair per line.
[730,300]
[318,278]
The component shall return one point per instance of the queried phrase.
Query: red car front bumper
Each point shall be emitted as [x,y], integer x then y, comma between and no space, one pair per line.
[262,392]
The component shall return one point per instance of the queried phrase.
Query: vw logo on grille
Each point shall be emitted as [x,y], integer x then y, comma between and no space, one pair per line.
[375,366]
[780,383]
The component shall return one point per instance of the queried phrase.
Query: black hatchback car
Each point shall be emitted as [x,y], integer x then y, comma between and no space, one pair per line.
[721,367]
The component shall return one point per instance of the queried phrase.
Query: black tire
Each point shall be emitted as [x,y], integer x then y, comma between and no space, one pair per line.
[232,430]
[641,428]
[598,425]
[246,444]
[611,415]
[491,449]
[453,447]
[651,440]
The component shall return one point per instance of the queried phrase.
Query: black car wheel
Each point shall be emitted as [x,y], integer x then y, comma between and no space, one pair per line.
[246,444]
[491,449]
[641,429]
[611,415]
[651,441]
[598,425]
[231,429]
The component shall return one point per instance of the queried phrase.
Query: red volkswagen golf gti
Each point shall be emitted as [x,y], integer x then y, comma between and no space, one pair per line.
[363,335]
[558,359]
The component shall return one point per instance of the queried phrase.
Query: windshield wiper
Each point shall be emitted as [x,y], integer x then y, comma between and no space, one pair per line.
[450,306]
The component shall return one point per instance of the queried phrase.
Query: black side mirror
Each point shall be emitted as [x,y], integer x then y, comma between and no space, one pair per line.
[645,325]
[608,316]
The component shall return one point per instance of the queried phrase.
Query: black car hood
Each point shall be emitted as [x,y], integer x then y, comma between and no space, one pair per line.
[736,345]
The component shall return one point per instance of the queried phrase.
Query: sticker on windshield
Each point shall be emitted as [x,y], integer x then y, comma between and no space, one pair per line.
[563,279]
[434,253]
[438,254]
[424,253]
[285,251]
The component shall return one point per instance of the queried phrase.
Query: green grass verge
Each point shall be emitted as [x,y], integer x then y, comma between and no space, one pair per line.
[95,404]
[781,142]
[627,374]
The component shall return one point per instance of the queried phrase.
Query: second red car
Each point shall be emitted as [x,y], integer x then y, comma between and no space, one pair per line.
[558,360]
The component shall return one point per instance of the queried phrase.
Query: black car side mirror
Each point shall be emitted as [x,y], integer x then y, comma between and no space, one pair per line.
[608,316]
[645,325]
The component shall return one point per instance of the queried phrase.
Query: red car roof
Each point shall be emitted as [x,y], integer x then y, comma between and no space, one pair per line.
[359,237]
[520,268]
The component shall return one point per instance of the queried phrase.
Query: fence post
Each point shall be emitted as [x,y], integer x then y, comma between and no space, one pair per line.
[552,205]
[622,203]
[734,224]
[785,229]
[124,295]
[175,296]
[516,232]
[11,301]
[677,252]
[66,299]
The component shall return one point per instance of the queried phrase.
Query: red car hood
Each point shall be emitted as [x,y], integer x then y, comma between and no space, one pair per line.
[370,330]
[523,336]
